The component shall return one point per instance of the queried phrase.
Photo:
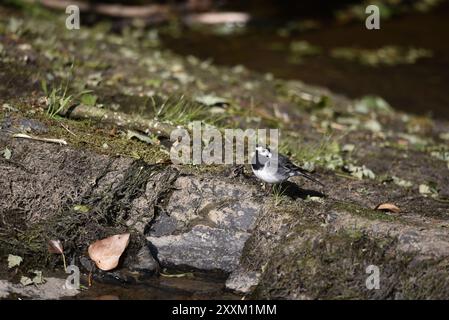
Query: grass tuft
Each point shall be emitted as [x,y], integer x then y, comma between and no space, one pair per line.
[179,111]
[278,193]
[56,100]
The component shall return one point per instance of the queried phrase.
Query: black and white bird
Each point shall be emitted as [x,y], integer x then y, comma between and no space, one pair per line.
[272,167]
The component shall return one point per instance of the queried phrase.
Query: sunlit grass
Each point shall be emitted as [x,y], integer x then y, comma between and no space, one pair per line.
[181,111]
[56,100]
[325,152]
[278,193]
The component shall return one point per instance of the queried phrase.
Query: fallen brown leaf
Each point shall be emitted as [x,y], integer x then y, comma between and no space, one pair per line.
[55,246]
[388,207]
[107,297]
[106,253]
[212,18]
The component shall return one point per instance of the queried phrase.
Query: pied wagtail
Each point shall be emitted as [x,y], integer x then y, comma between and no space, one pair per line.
[272,167]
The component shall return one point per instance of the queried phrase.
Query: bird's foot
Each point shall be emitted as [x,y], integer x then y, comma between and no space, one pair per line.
[267,188]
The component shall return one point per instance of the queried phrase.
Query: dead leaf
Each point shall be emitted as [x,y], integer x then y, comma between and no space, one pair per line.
[107,297]
[213,18]
[55,246]
[106,252]
[388,207]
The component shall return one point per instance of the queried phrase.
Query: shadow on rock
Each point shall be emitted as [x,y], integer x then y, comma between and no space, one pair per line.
[292,190]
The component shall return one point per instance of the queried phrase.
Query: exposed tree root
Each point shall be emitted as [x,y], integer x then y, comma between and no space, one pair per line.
[120,119]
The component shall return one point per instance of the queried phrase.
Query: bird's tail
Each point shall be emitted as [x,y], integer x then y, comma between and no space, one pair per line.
[309,176]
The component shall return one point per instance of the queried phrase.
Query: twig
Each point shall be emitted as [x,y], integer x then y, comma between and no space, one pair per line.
[178,275]
[25,136]
[68,130]
[441,200]
[65,264]
[347,176]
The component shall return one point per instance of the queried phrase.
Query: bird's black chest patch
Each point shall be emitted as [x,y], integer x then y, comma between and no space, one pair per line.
[256,163]
[257,166]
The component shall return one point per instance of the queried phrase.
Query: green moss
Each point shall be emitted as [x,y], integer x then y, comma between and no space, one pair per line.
[87,135]
[333,266]
[368,213]
[105,213]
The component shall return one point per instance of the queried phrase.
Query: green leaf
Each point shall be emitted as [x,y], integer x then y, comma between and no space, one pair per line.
[402,182]
[81,208]
[373,125]
[14,261]
[348,148]
[89,99]
[372,103]
[211,100]
[444,136]
[38,278]
[142,137]
[424,189]
[26,281]
[8,107]
[360,172]
[7,153]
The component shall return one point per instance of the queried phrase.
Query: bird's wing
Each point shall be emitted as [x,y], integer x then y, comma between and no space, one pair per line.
[293,170]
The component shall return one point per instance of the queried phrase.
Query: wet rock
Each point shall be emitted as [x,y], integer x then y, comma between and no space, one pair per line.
[243,281]
[87,263]
[444,192]
[142,209]
[9,125]
[44,178]
[203,248]
[330,260]
[144,262]
[221,203]
[52,289]
[206,223]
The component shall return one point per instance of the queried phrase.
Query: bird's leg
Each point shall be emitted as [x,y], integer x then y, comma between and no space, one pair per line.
[268,188]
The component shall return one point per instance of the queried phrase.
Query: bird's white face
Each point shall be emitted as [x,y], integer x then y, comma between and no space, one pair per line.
[263,152]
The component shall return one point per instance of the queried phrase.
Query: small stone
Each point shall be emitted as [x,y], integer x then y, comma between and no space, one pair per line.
[145,262]
[242,281]
[373,125]
[348,148]
[424,189]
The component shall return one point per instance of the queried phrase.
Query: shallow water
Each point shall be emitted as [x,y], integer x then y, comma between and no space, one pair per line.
[134,286]
[420,88]
[160,288]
